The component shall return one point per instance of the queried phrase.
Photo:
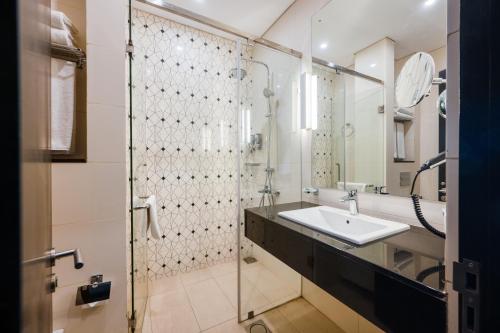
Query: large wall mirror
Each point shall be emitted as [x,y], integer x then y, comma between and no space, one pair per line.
[381,73]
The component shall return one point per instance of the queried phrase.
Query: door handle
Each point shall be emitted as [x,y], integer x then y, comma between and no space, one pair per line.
[52,256]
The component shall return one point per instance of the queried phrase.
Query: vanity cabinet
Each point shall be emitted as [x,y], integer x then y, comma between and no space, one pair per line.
[387,299]
[291,247]
[254,229]
[378,296]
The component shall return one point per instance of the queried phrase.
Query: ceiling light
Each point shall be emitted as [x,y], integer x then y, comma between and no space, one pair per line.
[428,3]
[373,65]
[323,46]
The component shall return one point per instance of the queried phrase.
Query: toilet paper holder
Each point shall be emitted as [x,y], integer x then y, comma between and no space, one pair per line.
[94,293]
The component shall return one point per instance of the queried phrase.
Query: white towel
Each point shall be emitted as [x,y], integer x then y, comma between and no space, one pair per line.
[140,219]
[402,116]
[62,104]
[400,141]
[153,217]
[60,21]
[62,37]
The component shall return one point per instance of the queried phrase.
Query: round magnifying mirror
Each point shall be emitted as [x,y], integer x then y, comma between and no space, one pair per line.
[415,80]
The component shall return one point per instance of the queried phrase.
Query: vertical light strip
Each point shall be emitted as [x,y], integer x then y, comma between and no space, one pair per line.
[308,101]
[314,102]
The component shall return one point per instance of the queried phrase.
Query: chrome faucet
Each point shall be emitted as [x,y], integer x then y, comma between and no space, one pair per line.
[352,198]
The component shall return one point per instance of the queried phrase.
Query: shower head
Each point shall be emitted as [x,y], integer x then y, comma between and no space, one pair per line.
[233,73]
[268,92]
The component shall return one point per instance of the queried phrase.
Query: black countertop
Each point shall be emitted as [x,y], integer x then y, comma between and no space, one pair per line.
[416,254]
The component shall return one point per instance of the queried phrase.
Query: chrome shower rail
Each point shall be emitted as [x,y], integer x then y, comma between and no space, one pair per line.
[166,6]
[345,70]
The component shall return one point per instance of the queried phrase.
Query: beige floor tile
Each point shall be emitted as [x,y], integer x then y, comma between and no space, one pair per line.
[367,327]
[223,269]
[168,284]
[147,326]
[172,312]
[276,322]
[209,303]
[229,285]
[230,326]
[272,287]
[251,271]
[251,298]
[196,276]
[307,319]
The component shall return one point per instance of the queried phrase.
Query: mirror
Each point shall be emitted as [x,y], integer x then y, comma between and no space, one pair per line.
[415,80]
[377,117]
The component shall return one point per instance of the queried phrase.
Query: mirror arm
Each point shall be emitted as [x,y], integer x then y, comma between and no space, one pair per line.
[438,81]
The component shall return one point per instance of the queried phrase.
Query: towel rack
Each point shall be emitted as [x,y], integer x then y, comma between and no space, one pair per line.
[68,53]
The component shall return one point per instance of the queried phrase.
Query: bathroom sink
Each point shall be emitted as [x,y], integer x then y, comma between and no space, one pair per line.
[358,229]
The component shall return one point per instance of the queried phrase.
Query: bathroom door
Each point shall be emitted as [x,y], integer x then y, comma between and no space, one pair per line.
[26,302]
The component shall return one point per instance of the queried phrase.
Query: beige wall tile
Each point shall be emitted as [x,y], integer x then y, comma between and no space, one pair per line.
[103,28]
[105,75]
[106,133]
[102,245]
[88,192]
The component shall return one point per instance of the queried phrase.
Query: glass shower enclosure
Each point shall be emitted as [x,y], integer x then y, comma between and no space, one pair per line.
[270,170]
[212,130]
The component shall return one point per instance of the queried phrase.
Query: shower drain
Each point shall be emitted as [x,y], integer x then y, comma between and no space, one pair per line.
[258,327]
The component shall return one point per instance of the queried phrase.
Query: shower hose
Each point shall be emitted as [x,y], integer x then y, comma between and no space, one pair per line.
[418,210]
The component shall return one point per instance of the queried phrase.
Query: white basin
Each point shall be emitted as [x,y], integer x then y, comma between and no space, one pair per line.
[358,229]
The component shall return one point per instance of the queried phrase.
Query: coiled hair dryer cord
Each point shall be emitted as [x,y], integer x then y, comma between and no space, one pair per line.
[418,210]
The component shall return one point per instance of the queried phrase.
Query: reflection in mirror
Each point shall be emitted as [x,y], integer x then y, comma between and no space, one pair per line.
[389,129]
[327,141]
[415,80]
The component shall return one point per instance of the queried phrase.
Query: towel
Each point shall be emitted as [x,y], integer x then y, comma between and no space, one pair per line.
[400,141]
[140,219]
[60,21]
[62,37]
[402,116]
[153,222]
[63,104]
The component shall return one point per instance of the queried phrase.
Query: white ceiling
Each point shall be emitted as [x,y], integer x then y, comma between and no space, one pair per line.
[250,16]
[348,26]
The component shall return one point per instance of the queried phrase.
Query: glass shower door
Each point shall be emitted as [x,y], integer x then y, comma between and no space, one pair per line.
[270,166]
[138,282]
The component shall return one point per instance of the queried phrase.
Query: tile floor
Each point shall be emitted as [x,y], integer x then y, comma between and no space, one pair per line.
[206,301]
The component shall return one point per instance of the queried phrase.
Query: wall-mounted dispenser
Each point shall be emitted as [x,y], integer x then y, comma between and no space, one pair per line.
[93,294]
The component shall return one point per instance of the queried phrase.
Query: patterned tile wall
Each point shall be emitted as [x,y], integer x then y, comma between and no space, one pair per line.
[322,147]
[185,142]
